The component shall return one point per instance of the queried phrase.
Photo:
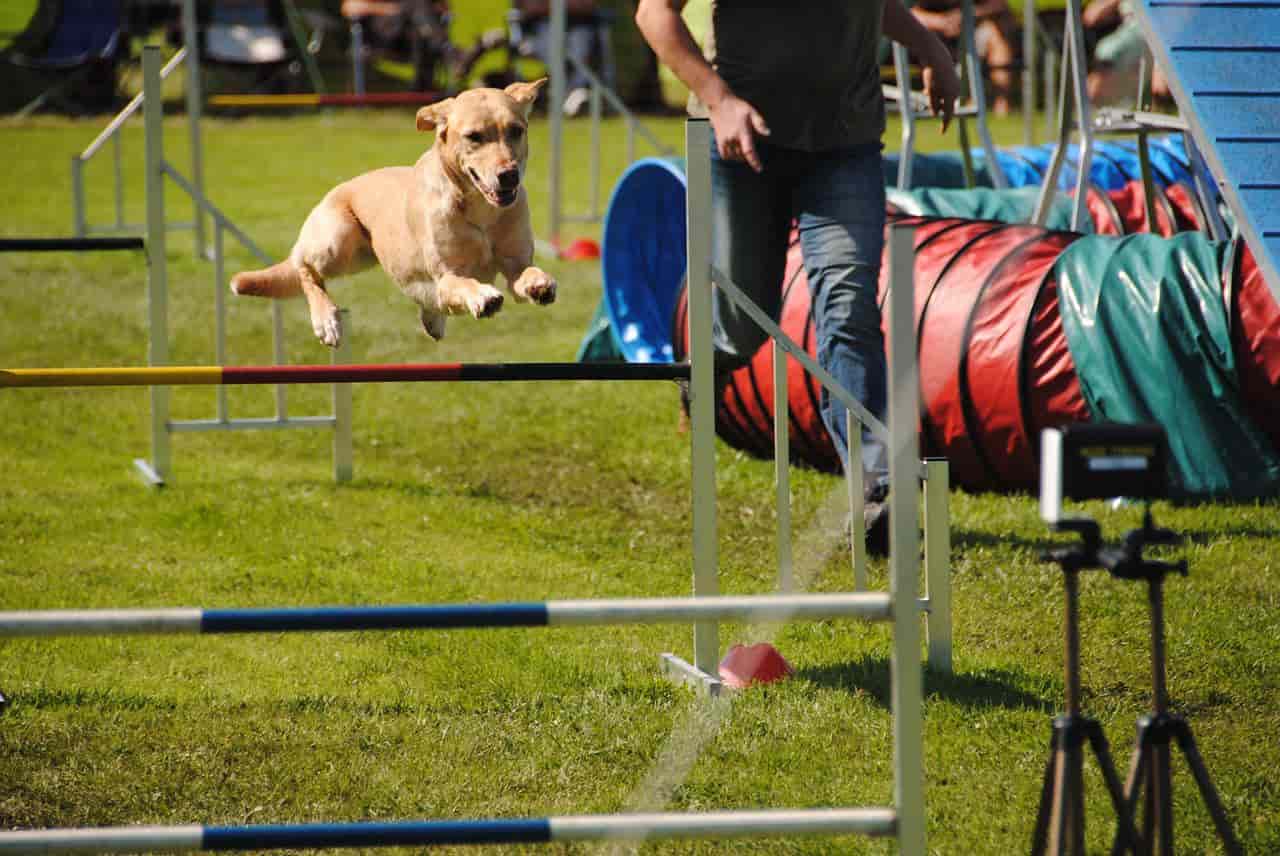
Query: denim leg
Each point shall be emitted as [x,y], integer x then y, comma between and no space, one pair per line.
[839,202]
[751,216]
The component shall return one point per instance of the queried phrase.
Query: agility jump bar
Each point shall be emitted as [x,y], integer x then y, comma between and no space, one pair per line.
[306,99]
[390,373]
[54,245]
[872,606]
[634,827]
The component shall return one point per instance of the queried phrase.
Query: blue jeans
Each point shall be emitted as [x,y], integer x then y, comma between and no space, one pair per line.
[837,201]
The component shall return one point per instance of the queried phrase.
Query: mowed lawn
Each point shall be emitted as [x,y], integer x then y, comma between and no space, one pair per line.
[475,493]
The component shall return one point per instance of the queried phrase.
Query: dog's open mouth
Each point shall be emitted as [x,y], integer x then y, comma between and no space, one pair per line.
[500,197]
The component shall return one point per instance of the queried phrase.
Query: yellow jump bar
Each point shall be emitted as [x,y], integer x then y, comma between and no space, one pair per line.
[146,376]
[303,99]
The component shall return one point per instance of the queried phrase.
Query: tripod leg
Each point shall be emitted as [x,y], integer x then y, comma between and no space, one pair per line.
[1149,804]
[1059,834]
[1038,837]
[1187,744]
[1126,835]
[1077,800]
[1162,795]
[1132,791]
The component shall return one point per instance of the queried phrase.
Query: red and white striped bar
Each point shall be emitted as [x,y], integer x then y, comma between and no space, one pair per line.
[390,373]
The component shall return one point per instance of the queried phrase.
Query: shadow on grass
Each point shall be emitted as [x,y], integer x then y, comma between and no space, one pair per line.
[993,687]
[1035,548]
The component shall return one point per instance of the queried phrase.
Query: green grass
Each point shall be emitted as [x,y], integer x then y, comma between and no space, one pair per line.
[469,493]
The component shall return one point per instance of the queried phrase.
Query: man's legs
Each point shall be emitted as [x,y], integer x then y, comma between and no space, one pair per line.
[840,206]
[751,216]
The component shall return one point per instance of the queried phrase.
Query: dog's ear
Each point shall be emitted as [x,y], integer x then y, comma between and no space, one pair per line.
[525,94]
[434,116]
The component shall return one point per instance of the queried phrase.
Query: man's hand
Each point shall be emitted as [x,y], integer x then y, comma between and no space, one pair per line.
[736,123]
[941,86]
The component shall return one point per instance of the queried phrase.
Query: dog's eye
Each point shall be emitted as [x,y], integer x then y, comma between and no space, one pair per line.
[515,133]
[475,137]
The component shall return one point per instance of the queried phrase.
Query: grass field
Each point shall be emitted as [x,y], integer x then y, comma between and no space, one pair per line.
[470,493]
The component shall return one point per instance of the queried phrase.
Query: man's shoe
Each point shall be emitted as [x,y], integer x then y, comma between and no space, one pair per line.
[875,520]
[575,101]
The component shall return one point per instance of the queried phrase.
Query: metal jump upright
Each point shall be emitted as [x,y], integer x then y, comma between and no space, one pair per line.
[900,607]
[157,470]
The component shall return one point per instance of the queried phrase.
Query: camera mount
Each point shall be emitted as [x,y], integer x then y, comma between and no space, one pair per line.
[1094,461]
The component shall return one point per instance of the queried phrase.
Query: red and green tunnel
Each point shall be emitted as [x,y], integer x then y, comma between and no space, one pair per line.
[996,362]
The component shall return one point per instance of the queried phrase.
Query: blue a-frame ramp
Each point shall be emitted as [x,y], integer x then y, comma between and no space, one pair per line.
[1222,58]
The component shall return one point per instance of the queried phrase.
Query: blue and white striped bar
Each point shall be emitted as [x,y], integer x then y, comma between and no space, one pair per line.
[630,827]
[869,606]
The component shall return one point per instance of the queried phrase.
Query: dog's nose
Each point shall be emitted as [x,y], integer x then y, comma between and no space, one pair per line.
[508,179]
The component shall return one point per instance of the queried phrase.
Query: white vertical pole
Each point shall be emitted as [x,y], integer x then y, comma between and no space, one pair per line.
[856,481]
[277,353]
[1050,90]
[904,547]
[706,641]
[77,197]
[973,69]
[597,110]
[117,169]
[357,57]
[555,111]
[1084,119]
[195,104]
[782,465]
[1148,183]
[937,562]
[907,110]
[342,409]
[1049,184]
[1029,72]
[157,273]
[220,315]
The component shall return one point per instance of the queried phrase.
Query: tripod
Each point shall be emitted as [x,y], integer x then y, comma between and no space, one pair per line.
[1060,819]
[1149,765]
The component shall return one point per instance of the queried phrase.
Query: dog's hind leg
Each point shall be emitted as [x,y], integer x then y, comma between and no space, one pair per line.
[432,322]
[279,280]
[325,320]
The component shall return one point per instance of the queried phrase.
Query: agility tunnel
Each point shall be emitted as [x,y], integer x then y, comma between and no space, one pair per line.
[644,234]
[1114,182]
[996,362]
[1114,164]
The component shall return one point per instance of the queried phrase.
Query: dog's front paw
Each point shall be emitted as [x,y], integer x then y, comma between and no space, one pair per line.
[484,301]
[537,285]
[328,327]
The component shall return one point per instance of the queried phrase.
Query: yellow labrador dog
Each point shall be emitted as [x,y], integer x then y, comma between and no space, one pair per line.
[443,229]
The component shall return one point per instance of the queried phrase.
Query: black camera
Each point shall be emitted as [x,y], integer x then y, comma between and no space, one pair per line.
[1097,460]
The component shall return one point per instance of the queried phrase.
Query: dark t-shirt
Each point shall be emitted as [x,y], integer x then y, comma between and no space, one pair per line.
[810,67]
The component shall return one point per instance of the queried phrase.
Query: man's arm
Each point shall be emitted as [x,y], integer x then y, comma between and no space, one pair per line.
[735,121]
[941,85]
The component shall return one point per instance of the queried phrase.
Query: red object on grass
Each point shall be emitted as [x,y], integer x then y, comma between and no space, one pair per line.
[582,249]
[744,665]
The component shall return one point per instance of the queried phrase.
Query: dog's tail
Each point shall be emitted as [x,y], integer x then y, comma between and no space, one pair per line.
[279,280]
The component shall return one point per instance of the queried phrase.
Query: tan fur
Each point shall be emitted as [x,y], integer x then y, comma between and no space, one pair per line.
[442,229]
